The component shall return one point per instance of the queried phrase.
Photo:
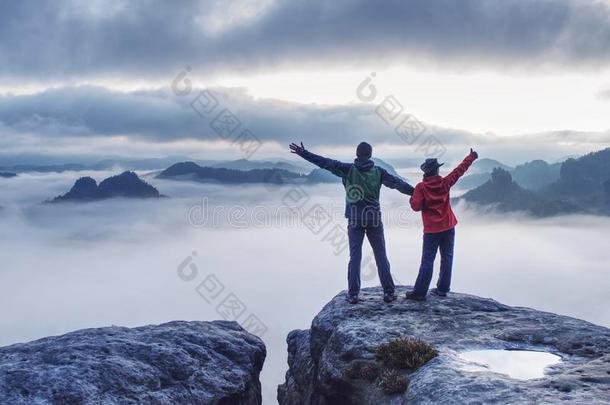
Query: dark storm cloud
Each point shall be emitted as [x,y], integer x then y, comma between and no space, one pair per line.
[159,115]
[59,116]
[87,110]
[44,40]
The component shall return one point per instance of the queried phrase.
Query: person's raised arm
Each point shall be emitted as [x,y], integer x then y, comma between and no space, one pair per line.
[459,171]
[395,182]
[334,166]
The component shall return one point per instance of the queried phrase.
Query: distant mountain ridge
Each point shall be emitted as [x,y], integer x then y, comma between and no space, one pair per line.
[583,186]
[158,163]
[245,164]
[193,171]
[532,175]
[502,193]
[126,185]
[486,165]
[536,174]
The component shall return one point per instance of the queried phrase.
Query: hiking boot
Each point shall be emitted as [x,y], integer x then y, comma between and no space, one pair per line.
[438,292]
[414,297]
[389,297]
[352,299]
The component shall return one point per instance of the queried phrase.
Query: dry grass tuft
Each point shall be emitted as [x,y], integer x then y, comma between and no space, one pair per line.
[405,353]
[392,382]
[362,370]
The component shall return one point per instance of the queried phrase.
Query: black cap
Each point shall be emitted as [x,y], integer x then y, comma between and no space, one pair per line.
[430,165]
[364,150]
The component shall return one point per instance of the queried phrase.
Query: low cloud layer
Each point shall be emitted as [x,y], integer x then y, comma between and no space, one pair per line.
[114,262]
[604,94]
[68,39]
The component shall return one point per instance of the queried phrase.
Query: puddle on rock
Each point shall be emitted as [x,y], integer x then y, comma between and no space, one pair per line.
[519,364]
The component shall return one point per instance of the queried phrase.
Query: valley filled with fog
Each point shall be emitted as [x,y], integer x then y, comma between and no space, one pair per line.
[122,262]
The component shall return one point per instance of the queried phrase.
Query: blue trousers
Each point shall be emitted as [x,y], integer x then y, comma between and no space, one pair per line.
[374,233]
[432,243]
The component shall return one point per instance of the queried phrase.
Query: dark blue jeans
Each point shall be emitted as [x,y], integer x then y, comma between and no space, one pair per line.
[432,243]
[374,233]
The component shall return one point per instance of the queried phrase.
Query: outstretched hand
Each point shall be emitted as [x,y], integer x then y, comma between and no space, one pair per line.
[474,153]
[294,148]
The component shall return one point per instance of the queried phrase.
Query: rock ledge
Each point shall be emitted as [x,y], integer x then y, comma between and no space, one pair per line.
[174,363]
[341,334]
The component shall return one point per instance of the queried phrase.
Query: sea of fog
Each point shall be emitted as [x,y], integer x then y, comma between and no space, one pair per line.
[135,262]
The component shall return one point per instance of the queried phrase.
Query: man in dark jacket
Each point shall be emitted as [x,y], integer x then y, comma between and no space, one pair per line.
[362,181]
[431,197]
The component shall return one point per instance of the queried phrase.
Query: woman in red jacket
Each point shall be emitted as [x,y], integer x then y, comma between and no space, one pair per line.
[431,197]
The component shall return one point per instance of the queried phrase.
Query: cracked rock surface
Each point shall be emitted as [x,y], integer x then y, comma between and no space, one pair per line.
[173,363]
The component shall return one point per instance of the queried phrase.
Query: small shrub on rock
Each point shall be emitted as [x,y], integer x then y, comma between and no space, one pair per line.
[362,370]
[369,372]
[392,382]
[405,353]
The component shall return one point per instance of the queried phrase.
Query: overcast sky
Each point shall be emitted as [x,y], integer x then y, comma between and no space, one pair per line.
[520,78]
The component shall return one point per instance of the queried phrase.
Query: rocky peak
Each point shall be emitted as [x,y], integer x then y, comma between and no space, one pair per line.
[83,189]
[501,177]
[181,168]
[174,363]
[126,184]
[342,335]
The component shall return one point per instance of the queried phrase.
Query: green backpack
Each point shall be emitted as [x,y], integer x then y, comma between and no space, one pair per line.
[362,185]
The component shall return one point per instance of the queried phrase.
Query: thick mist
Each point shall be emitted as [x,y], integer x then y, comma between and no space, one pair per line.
[131,262]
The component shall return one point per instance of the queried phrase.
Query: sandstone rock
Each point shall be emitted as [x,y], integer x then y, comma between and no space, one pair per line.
[342,333]
[174,363]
